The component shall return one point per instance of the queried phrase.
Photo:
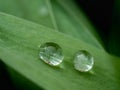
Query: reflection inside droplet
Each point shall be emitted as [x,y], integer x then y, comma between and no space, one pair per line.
[51,53]
[83,61]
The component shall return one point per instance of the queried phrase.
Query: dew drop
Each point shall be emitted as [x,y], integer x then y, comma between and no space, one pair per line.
[51,53]
[83,61]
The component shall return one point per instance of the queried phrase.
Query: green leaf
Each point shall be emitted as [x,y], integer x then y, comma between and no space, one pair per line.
[54,14]
[79,18]
[20,82]
[33,10]
[74,23]
[19,48]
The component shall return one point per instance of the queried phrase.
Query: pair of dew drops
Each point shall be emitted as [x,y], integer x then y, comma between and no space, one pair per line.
[51,53]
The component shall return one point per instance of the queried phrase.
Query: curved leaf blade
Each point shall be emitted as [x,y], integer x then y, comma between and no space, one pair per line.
[19,41]
[54,14]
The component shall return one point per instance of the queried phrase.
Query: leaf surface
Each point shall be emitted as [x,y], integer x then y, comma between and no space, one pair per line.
[55,14]
[19,49]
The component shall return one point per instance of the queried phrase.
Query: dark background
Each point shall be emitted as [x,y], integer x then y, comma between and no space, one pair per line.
[105,16]
[100,13]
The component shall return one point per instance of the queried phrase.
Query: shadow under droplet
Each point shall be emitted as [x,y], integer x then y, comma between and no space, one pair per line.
[88,74]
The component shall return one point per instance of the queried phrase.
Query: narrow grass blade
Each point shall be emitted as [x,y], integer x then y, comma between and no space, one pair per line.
[73,22]
[33,10]
[19,48]
[54,14]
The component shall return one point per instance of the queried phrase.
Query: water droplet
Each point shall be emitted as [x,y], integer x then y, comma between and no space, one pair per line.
[51,53]
[83,61]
